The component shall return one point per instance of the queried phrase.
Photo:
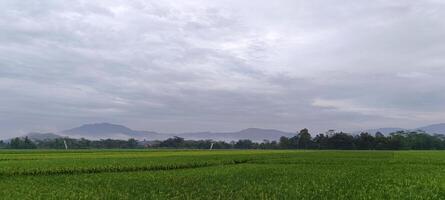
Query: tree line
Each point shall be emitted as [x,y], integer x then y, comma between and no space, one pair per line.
[401,140]
[59,143]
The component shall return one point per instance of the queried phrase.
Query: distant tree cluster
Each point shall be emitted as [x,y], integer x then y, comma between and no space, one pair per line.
[3,144]
[59,143]
[22,143]
[178,142]
[402,140]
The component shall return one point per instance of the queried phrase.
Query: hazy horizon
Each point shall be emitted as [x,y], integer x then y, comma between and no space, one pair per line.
[105,130]
[223,65]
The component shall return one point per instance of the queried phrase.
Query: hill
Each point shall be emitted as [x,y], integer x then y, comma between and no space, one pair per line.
[254,134]
[42,136]
[114,131]
[434,128]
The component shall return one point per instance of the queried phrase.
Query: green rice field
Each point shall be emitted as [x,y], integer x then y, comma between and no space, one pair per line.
[228,174]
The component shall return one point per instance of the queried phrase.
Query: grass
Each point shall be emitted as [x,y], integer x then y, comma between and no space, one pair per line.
[248,174]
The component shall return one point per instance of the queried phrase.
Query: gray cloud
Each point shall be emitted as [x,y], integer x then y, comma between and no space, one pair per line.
[221,65]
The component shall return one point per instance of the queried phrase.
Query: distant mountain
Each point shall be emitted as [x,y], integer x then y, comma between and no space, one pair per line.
[434,128]
[107,130]
[34,136]
[431,129]
[42,136]
[114,131]
[254,134]
[385,131]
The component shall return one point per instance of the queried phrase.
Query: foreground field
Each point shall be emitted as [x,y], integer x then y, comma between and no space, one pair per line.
[222,175]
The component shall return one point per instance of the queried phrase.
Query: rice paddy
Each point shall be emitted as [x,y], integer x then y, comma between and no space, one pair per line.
[232,174]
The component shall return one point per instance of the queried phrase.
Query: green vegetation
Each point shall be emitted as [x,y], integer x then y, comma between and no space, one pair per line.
[402,140]
[230,174]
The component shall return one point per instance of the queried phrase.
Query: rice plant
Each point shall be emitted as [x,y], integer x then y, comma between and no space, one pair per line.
[222,175]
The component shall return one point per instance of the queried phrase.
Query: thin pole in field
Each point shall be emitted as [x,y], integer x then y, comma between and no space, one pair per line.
[66,146]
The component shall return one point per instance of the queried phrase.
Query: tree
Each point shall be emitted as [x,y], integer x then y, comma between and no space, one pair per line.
[132,143]
[175,142]
[2,144]
[396,141]
[285,143]
[245,144]
[365,141]
[304,139]
[19,143]
[340,141]
[266,144]
[321,141]
[331,140]
[381,142]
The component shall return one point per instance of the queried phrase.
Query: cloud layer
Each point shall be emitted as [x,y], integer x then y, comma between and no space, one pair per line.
[221,65]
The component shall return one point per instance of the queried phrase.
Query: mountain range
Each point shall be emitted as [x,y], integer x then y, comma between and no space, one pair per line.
[384,131]
[432,129]
[42,136]
[114,131]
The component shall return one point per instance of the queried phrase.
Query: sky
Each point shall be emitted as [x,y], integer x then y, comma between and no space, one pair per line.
[221,65]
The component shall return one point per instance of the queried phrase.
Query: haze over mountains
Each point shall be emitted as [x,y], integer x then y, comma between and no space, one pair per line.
[385,131]
[114,131]
[432,129]
[107,130]
[42,136]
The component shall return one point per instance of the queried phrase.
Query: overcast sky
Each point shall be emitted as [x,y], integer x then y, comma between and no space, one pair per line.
[195,65]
